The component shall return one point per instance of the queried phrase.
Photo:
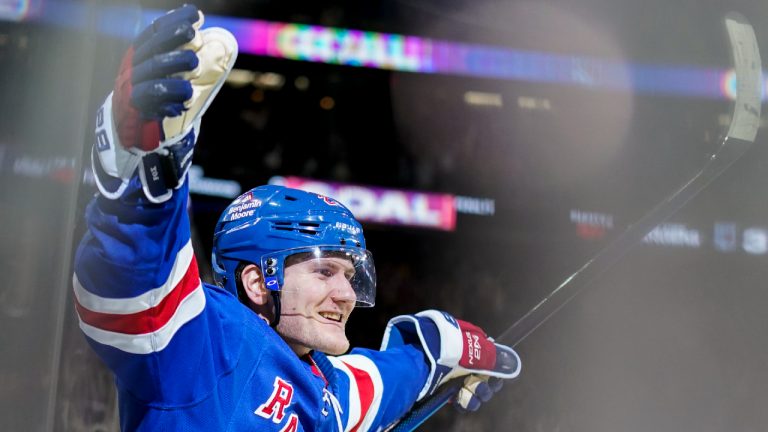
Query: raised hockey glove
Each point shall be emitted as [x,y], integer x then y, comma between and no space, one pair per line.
[454,348]
[150,122]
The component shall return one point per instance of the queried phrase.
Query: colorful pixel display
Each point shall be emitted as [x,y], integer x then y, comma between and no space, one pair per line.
[424,55]
[404,53]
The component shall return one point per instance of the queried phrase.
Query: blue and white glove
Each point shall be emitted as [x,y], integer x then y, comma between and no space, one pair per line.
[150,122]
[454,349]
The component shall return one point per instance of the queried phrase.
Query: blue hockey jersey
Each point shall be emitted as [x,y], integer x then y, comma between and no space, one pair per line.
[189,356]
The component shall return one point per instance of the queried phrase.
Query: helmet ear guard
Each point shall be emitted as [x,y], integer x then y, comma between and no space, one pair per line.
[243,296]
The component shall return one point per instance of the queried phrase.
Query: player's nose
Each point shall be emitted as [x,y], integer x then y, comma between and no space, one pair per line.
[342,290]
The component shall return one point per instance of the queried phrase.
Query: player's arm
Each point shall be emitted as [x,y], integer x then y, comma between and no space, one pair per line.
[136,284]
[419,353]
[377,387]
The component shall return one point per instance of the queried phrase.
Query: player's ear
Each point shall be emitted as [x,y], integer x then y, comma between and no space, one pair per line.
[253,285]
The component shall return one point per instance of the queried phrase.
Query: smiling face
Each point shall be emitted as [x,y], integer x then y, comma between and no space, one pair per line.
[317,299]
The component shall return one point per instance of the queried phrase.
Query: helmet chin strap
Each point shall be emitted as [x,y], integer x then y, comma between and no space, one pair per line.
[276,299]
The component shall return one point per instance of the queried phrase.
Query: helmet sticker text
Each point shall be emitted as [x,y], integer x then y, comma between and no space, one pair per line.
[240,211]
[348,228]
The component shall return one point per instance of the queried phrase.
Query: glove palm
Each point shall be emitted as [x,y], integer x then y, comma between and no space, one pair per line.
[167,80]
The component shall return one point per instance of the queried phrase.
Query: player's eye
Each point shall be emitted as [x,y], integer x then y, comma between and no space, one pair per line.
[324,270]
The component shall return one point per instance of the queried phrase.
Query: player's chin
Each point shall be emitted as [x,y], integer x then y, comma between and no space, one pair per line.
[335,345]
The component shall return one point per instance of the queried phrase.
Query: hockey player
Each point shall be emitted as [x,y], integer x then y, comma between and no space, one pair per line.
[264,348]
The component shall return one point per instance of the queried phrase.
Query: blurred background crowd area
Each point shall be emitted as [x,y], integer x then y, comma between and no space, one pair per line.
[491,148]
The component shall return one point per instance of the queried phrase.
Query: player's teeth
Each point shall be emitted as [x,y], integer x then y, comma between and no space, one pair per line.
[331,316]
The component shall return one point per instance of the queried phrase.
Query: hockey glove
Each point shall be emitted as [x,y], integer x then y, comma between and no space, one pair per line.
[167,79]
[454,348]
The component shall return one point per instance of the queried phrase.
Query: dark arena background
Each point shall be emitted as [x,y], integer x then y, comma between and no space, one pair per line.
[491,149]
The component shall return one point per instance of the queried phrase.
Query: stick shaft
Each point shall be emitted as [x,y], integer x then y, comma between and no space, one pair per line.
[741,135]
[730,151]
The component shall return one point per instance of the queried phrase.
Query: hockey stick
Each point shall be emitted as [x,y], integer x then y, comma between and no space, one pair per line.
[741,135]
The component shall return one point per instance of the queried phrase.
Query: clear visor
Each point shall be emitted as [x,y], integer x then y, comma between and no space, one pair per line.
[346,273]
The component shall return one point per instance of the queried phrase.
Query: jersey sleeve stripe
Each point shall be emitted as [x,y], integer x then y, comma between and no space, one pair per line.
[370,387]
[353,410]
[189,308]
[149,320]
[149,299]
[366,389]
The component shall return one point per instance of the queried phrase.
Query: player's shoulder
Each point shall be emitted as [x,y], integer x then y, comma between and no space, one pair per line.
[223,307]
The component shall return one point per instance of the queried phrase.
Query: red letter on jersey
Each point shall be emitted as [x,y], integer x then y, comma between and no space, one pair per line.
[274,408]
[293,424]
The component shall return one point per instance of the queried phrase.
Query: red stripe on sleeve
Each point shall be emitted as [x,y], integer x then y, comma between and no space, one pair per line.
[365,388]
[146,321]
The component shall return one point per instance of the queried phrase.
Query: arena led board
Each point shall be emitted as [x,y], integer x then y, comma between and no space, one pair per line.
[424,55]
[385,206]
[359,48]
